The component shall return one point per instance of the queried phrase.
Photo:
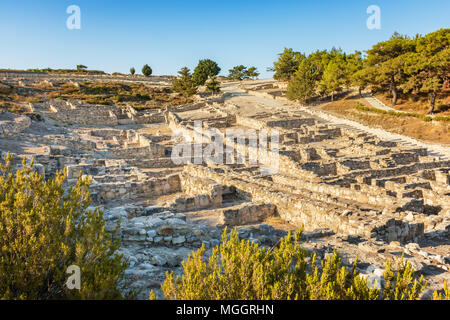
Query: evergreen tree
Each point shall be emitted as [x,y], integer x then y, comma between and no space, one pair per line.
[132,71]
[213,85]
[252,72]
[147,71]
[429,67]
[238,73]
[81,68]
[388,60]
[333,78]
[287,64]
[205,69]
[185,84]
[302,85]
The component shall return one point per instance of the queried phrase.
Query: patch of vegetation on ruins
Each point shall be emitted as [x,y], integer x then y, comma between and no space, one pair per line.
[242,270]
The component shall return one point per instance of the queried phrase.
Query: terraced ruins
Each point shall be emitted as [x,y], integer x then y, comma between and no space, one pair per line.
[370,194]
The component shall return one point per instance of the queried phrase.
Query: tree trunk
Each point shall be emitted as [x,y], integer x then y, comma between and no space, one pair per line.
[332,96]
[360,92]
[394,91]
[394,95]
[432,102]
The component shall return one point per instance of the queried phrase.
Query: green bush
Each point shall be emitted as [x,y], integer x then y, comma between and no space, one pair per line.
[241,270]
[44,229]
[147,71]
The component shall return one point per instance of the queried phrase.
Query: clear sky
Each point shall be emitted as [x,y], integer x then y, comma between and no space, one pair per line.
[169,34]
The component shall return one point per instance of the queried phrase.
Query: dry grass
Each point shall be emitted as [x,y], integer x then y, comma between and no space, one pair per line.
[419,104]
[427,131]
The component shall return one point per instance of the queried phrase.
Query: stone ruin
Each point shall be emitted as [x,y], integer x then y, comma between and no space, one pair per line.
[351,190]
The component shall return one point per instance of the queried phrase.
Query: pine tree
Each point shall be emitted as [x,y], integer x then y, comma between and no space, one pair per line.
[429,67]
[205,69]
[213,85]
[252,72]
[287,64]
[237,73]
[147,71]
[132,71]
[388,59]
[302,85]
[185,84]
[333,78]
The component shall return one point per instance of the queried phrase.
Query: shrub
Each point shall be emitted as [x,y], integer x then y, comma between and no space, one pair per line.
[147,71]
[44,229]
[241,270]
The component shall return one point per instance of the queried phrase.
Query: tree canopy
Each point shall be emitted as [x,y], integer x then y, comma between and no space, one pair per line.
[399,65]
[205,69]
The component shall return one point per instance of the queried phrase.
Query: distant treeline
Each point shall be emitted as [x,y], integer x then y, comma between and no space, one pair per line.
[411,66]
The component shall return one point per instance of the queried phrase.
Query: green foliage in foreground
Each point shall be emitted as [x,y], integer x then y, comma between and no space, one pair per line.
[241,270]
[44,229]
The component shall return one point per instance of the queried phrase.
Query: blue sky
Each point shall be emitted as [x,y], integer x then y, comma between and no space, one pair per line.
[116,35]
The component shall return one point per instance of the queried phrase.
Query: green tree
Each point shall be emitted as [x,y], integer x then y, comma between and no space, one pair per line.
[353,69]
[333,78]
[185,84]
[213,85]
[388,59]
[252,73]
[81,68]
[44,229]
[241,72]
[302,86]
[147,71]
[428,68]
[241,270]
[238,73]
[205,69]
[287,64]
[132,71]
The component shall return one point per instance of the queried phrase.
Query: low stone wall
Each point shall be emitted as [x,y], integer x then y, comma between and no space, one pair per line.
[104,192]
[247,214]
